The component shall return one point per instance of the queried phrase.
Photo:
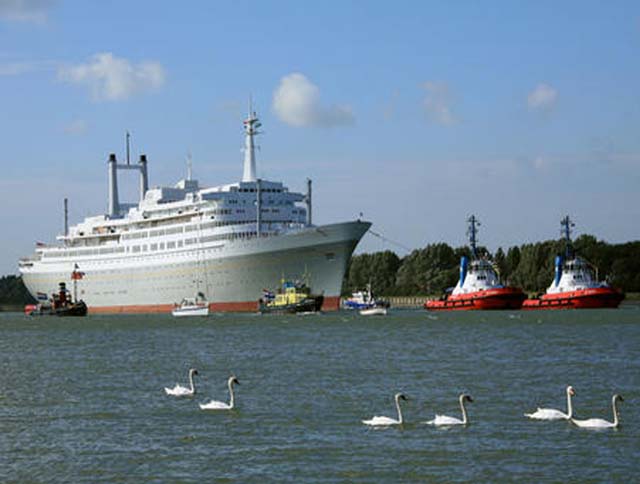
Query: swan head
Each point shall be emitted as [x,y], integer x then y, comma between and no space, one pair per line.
[571,391]
[466,398]
[400,396]
[193,371]
[233,380]
[618,398]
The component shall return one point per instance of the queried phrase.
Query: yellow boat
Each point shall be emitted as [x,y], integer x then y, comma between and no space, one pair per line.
[292,297]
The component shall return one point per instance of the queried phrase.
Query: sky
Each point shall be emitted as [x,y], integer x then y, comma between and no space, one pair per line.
[415,114]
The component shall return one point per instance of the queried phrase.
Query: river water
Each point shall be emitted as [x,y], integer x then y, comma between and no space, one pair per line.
[82,400]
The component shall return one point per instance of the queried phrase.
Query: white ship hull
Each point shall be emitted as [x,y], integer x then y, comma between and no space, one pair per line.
[231,274]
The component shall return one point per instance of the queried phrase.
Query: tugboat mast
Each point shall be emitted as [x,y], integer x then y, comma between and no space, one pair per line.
[472,232]
[567,225]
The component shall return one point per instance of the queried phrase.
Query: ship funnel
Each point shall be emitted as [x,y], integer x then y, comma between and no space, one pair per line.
[114,202]
[464,265]
[144,176]
[558,269]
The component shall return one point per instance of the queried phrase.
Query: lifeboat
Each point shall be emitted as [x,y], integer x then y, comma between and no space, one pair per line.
[574,285]
[479,286]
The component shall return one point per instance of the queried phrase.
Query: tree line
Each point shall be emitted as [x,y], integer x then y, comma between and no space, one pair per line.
[428,271]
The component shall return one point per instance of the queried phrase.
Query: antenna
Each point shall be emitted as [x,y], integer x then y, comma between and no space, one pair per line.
[66,216]
[127,143]
[189,166]
[566,225]
[472,233]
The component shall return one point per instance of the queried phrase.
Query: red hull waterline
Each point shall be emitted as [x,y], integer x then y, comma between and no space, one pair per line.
[596,298]
[502,298]
[329,304]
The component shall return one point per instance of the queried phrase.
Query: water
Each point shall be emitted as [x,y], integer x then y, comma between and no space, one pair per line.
[82,400]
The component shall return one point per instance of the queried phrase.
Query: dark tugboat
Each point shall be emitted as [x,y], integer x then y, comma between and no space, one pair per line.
[61,303]
[292,297]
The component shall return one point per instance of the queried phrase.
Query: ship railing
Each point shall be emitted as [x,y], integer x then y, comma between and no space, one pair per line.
[30,259]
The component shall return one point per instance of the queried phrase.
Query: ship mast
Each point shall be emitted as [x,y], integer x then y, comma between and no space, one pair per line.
[567,225]
[472,232]
[251,125]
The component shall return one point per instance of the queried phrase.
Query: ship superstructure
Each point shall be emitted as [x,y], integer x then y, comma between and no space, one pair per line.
[228,242]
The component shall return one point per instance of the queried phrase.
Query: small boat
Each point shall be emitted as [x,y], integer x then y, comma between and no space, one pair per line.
[479,286]
[292,297]
[60,304]
[375,311]
[364,300]
[574,285]
[191,306]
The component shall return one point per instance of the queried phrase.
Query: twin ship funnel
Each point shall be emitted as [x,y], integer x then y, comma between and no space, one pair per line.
[113,166]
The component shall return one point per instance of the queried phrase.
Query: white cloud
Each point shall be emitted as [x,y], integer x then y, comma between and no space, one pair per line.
[438,102]
[296,101]
[25,10]
[113,78]
[77,127]
[542,98]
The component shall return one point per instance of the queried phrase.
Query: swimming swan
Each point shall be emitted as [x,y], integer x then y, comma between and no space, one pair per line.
[216,405]
[552,413]
[444,420]
[598,423]
[180,391]
[385,421]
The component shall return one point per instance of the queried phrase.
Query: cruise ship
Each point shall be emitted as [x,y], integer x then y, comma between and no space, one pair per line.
[227,243]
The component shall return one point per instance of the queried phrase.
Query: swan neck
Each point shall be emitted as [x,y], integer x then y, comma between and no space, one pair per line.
[464,411]
[399,410]
[231,399]
[191,383]
[569,406]
[615,412]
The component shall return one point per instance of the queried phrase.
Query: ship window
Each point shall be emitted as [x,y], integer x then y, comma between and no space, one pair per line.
[171,245]
[154,247]
[161,245]
[330,256]
[135,248]
[179,243]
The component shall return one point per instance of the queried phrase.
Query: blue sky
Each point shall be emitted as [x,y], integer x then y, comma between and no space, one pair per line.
[415,113]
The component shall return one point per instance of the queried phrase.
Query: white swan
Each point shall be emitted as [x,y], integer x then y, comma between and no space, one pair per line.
[216,405]
[180,391]
[599,423]
[552,413]
[385,421]
[444,420]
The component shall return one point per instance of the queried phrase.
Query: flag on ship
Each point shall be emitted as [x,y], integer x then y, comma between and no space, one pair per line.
[76,275]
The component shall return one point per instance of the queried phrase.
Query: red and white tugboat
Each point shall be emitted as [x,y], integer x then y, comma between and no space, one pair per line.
[479,286]
[574,285]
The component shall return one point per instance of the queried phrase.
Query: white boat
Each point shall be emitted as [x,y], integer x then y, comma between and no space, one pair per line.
[364,300]
[236,239]
[191,307]
[377,311]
